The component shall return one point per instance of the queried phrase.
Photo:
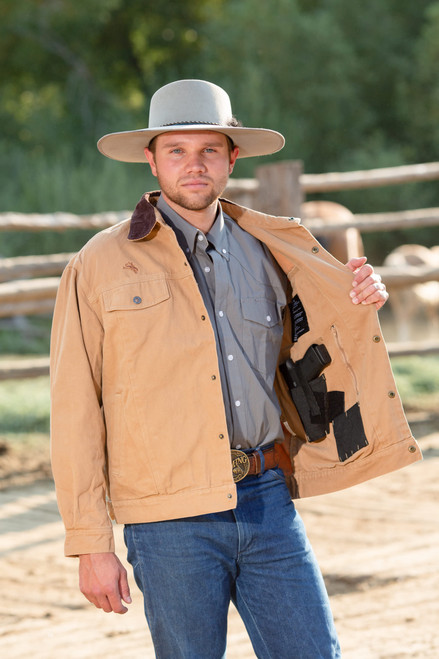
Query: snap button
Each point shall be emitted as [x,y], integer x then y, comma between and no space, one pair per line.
[412,449]
[213,377]
[315,249]
[137,299]
[376,338]
[203,317]
[391,394]
[229,496]
[221,436]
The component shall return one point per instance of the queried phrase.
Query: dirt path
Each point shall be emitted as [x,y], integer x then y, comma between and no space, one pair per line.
[377,545]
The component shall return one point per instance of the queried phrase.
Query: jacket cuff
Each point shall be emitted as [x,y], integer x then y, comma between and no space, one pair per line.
[88,542]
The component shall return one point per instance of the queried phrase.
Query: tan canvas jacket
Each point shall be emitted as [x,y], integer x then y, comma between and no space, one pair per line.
[138,422]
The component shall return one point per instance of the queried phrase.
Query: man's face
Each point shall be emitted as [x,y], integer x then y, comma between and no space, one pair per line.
[192,167]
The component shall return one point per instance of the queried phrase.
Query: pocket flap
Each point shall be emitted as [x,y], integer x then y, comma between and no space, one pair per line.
[260,310]
[136,295]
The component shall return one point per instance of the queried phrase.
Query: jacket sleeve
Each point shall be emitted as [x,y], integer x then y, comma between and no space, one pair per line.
[78,438]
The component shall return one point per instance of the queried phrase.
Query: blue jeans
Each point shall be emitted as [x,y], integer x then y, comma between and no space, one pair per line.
[257,555]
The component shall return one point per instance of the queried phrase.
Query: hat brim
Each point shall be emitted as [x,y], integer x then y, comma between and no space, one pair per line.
[128,146]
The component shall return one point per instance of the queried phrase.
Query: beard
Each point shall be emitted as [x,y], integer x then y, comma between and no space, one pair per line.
[194,200]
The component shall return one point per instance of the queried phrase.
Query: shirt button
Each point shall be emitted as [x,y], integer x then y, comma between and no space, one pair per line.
[238,446]
[207,269]
[224,251]
[230,358]
[220,314]
[268,318]
[137,299]
[200,237]
[237,403]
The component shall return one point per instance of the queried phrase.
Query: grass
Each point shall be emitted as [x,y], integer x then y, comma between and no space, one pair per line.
[24,406]
[417,379]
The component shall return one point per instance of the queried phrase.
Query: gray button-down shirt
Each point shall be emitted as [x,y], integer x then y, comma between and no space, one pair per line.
[243,290]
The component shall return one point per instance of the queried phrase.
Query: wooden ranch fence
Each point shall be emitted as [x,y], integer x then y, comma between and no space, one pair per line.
[28,284]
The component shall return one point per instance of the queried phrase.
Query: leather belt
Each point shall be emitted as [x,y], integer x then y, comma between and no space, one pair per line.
[253,462]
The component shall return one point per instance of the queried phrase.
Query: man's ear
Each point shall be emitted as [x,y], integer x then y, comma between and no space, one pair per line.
[233,157]
[150,158]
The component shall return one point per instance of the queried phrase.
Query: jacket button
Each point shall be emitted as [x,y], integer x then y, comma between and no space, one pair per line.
[203,317]
[376,338]
[412,449]
[229,496]
[315,249]
[213,377]
[391,394]
[137,299]
[221,436]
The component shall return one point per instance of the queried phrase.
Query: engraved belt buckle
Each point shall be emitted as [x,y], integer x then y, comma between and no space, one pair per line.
[240,464]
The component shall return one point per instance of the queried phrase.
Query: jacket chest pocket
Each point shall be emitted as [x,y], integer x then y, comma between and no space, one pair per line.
[135,312]
[262,333]
[136,296]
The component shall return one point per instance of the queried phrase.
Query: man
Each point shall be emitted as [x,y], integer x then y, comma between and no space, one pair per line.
[169,411]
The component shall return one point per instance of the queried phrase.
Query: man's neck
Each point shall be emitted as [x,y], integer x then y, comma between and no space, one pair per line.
[201,219]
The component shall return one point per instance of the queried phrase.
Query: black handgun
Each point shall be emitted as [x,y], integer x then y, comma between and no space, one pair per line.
[308,389]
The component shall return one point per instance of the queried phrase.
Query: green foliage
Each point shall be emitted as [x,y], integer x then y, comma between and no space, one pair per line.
[25,336]
[417,379]
[24,406]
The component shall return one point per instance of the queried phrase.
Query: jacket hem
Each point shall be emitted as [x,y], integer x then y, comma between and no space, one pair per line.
[162,507]
[384,461]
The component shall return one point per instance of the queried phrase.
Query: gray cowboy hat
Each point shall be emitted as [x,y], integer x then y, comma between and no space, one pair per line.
[190,105]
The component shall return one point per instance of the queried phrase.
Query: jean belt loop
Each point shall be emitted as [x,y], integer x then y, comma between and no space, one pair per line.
[262,459]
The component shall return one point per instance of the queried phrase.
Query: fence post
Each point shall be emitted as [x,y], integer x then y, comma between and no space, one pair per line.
[280,192]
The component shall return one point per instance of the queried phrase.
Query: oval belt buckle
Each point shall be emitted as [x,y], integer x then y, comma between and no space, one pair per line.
[240,464]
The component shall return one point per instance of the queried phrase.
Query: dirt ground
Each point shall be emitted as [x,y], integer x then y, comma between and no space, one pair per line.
[377,545]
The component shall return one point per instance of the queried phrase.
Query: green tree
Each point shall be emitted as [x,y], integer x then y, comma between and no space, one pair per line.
[75,67]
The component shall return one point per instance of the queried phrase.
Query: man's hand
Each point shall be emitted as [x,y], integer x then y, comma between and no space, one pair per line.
[103,580]
[367,287]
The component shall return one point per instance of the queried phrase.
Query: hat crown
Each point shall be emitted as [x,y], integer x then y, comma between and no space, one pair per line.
[190,102]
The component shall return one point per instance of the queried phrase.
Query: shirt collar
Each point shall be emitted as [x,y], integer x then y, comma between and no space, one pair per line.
[217,235]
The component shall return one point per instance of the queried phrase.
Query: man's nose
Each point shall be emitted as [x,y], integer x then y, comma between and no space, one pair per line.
[195,163]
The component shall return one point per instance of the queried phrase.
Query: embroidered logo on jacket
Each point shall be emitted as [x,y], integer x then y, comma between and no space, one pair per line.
[130,266]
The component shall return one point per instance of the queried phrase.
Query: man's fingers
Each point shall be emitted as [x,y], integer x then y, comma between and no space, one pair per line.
[104,582]
[355,263]
[371,291]
[124,587]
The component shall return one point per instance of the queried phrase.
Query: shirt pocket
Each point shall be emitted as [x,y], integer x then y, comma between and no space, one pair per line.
[262,333]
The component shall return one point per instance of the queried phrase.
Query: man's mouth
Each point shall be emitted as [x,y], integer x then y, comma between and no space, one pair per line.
[195,183]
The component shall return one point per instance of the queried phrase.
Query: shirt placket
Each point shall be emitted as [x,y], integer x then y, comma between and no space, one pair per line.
[223,303]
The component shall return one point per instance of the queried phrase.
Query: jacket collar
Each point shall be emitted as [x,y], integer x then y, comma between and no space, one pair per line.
[144,217]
